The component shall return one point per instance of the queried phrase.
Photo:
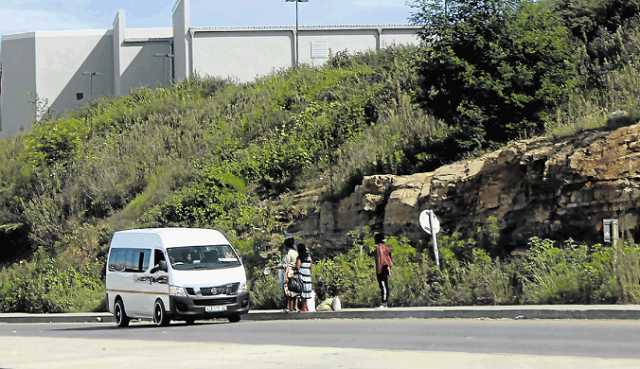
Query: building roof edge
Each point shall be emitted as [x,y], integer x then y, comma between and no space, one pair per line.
[17,36]
[78,32]
[148,39]
[302,28]
[175,6]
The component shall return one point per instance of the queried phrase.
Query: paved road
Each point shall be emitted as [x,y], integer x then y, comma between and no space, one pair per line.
[326,344]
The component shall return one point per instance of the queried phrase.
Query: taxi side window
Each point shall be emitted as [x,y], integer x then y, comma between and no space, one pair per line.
[158,256]
[129,260]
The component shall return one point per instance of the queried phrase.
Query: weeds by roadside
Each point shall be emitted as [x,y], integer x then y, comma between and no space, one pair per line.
[547,274]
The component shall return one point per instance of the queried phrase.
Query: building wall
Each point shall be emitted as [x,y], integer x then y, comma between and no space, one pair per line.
[18,82]
[399,36]
[181,40]
[141,68]
[352,40]
[138,64]
[118,40]
[243,54]
[62,57]
[148,33]
[0,91]
[50,65]
[134,62]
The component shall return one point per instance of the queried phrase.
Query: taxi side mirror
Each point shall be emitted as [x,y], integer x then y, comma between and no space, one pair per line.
[162,265]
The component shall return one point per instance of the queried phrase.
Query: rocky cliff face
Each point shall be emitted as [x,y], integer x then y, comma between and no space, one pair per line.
[541,187]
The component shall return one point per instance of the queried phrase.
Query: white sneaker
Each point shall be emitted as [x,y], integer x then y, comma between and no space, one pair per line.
[381,307]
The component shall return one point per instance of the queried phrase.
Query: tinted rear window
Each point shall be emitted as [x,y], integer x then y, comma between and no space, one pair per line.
[129,260]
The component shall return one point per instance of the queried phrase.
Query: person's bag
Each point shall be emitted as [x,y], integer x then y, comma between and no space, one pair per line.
[325,305]
[336,304]
[295,284]
[311,302]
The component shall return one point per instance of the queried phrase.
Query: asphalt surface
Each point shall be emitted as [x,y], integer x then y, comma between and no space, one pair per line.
[576,338]
[591,337]
[590,312]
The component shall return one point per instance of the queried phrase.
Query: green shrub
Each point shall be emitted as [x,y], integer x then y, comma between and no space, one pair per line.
[41,286]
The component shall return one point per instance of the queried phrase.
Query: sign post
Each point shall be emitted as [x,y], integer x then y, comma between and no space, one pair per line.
[431,225]
[610,229]
[611,234]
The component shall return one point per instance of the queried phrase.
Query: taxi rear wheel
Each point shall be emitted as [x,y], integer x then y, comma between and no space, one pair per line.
[121,318]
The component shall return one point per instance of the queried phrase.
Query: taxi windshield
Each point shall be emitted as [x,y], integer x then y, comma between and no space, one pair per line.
[203,257]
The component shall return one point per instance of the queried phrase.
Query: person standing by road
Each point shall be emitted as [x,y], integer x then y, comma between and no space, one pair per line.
[304,264]
[383,268]
[288,265]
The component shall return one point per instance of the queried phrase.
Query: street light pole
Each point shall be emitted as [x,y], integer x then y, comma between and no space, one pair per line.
[296,35]
[164,60]
[91,74]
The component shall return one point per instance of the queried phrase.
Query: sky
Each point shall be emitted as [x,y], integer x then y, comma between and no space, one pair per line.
[41,15]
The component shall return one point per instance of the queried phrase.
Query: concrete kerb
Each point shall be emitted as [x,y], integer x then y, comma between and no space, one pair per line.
[18,318]
[513,312]
[584,312]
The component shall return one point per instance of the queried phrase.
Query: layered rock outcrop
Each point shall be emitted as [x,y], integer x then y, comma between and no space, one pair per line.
[560,189]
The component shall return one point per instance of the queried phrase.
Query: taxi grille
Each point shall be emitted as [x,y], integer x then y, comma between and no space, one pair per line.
[227,289]
[214,302]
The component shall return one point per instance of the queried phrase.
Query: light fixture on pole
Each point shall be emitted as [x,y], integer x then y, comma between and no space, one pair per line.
[91,74]
[164,59]
[296,35]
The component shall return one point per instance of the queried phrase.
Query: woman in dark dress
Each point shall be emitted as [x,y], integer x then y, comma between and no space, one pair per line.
[304,265]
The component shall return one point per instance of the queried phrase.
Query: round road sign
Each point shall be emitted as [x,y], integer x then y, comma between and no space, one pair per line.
[426,224]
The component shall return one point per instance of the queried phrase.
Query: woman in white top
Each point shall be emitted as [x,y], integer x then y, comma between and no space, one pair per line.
[289,265]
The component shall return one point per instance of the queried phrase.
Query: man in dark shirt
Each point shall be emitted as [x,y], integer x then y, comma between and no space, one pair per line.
[383,268]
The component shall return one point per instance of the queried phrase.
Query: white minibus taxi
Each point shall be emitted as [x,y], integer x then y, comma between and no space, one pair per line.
[174,273]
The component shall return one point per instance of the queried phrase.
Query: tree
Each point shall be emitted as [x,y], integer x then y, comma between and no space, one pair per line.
[492,69]
[585,18]
[609,30]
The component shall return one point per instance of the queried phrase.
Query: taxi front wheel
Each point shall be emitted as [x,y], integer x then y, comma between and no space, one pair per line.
[160,317]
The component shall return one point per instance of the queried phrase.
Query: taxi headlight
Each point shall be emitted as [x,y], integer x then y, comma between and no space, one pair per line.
[243,287]
[177,291]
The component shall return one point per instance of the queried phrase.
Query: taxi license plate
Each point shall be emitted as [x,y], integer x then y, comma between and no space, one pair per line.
[212,309]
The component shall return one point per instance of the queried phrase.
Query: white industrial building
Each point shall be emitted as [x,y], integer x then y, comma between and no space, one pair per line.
[64,69]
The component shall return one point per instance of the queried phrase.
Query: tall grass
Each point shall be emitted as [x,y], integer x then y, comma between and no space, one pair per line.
[546,274]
